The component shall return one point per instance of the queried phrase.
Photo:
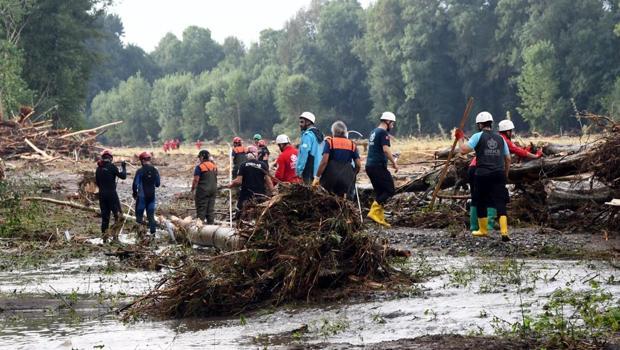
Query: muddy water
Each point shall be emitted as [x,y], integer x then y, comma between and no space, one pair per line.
[463,299]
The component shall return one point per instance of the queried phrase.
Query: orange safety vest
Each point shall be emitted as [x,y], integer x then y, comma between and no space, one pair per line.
[239,149]
[340,143]
[207,166]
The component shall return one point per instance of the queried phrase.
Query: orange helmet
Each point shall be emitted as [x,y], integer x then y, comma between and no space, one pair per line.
[144,155]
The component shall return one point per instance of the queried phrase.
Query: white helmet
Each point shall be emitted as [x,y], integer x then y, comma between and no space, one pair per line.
[282,139]
[309,116]
[506,125]
[388,116]
[484,117]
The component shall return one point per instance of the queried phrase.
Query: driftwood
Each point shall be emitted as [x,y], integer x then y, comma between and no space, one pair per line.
[575,194]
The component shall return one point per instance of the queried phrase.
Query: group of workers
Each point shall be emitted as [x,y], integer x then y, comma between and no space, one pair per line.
[170,145]
[332,162]
[143,187]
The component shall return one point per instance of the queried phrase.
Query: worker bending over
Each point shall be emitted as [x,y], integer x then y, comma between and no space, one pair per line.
[492,166]
[287,161]
[204,186]
[144,184]
[505,130]
[379,153]
[105,177]
[254,180]
[340,163]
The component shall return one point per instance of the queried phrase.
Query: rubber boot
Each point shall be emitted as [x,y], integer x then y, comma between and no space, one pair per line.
[483,228]
[473,218]
[372,213]
[382,217]
[491,216]
[503,228]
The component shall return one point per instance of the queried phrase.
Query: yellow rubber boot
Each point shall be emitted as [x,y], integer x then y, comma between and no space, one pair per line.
[503,228]
[382,217]
[483,230]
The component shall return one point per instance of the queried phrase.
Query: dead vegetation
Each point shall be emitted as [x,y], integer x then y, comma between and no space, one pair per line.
[304,245]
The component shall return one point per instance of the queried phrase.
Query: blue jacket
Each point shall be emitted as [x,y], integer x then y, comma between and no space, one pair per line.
[310,153]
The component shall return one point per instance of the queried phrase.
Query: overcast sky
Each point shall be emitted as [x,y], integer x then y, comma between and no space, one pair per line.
[147,21]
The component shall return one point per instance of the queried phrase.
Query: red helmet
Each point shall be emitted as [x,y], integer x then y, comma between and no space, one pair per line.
[262,143]
[106,153]
[237,139]
[144,155]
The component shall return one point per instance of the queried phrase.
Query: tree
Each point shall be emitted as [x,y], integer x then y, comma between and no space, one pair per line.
[295,94]
[228,106]
[543,106]
[169,94]
[196,53]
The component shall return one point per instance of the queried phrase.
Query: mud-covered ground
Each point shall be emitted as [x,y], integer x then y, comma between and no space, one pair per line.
[60,285]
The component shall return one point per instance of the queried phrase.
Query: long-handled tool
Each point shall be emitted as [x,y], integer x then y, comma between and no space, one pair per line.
[444,171]
[359,204]
[230,166]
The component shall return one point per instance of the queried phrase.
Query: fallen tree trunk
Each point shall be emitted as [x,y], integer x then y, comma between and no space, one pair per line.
[575,194]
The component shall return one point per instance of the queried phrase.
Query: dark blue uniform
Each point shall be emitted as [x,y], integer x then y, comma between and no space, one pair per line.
[144,184]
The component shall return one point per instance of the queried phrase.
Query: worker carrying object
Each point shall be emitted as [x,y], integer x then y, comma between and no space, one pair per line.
[105,177]
[492,166]
[379,153]
[254,180]
[310,149]
[238,154]
[505,130]
[143,187]
[204,186]
[340,163]
[287,161]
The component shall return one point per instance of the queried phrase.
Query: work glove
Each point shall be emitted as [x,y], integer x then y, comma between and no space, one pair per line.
[459,134]
[539,153]
[316,182]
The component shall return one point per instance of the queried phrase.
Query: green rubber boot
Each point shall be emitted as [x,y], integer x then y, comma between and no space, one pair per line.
[491,215]
[473,218]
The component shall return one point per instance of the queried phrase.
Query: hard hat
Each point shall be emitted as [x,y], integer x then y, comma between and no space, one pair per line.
[484,117]
[506,125]
[237,139]
[252,149]
[106,153]
[203,154]
[282,139]
[308,116]
[144,155]
[388,116]
[257,137]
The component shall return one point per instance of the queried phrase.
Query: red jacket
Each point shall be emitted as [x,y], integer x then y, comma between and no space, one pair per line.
[287,160]
[520,152]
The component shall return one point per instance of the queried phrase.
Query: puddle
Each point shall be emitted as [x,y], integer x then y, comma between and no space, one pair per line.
[460,303]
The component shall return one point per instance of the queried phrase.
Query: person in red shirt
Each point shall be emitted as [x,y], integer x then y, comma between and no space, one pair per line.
[166,146]
[505,130]
[287,160]
[198,144]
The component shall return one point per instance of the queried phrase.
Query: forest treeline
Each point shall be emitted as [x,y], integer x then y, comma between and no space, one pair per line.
[535,59]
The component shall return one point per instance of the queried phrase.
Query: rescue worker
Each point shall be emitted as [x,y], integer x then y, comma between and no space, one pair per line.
[379,153]
[492,166]
[505,130]
[198,144]
[336,171]
[254,180]
[143,188]
[204,186]
[238,155]
[309,156]
[263,152]
[287,160]
[257,138]
[105,177]
[473,206]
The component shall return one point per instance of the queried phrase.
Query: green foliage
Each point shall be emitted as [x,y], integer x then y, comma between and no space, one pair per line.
[13,89]
[294,95]
[167,98]
[570,319]
[539,87]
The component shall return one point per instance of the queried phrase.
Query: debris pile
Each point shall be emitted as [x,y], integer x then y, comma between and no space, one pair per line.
[24,138]
[303,245]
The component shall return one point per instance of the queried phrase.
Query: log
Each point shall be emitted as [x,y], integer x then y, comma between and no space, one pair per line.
[36,149]
[90,130]
[547,167]
[575,194]
[556,148]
